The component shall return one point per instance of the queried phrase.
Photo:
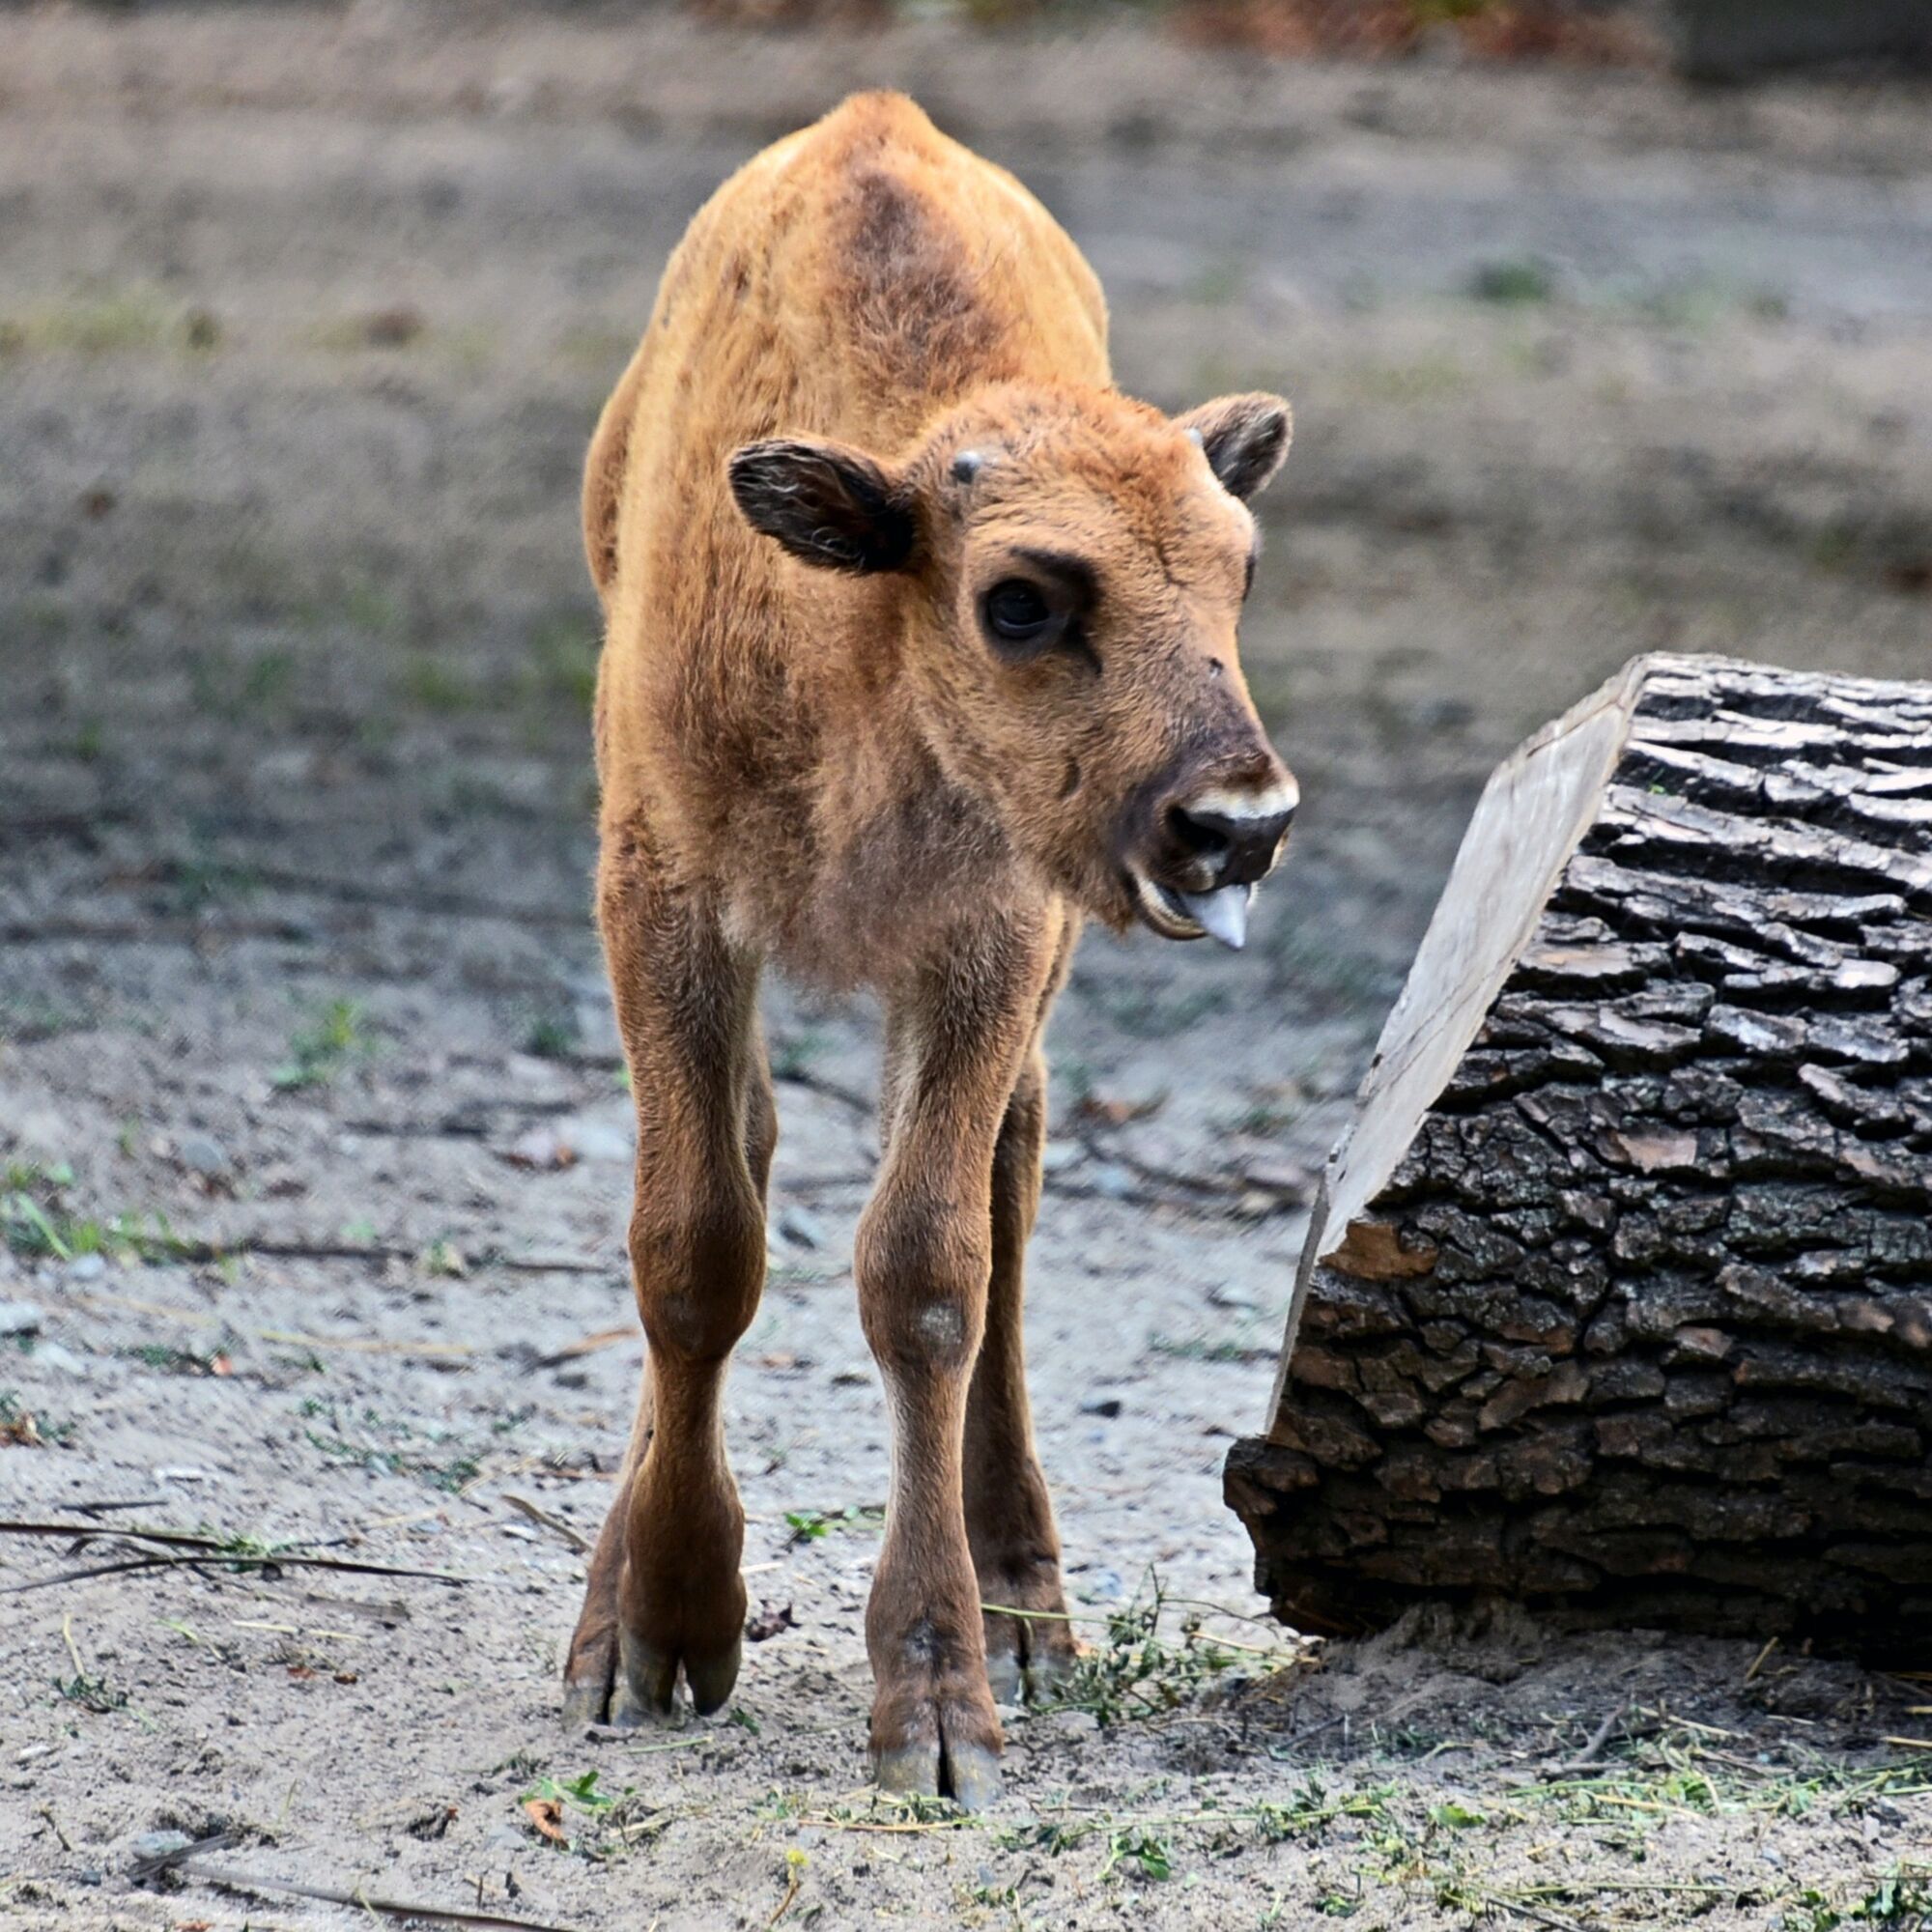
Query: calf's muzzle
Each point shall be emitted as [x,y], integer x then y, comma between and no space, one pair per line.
[1209,847]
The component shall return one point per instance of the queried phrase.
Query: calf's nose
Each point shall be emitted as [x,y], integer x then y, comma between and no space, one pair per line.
[1239,843]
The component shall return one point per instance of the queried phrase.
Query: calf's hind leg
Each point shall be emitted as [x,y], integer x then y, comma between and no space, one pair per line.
[1008,1515]
[665,1595]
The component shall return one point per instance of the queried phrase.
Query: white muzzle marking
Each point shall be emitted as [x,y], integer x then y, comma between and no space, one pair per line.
[1271,803]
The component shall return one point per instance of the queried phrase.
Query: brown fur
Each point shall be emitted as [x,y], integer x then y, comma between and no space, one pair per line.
[837,768]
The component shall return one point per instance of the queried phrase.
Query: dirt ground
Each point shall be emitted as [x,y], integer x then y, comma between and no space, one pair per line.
[316,1144]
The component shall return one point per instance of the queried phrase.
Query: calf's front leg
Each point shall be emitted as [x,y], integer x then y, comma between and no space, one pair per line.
[664,1597]
[956,1037]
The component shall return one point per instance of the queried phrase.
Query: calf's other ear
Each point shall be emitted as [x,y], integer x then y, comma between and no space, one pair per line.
[828,504]
[1244,438]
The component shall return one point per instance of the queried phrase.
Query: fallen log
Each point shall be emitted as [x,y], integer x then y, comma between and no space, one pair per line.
[1618,1294]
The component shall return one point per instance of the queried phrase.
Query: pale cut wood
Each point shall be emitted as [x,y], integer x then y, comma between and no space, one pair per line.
[1618,1292]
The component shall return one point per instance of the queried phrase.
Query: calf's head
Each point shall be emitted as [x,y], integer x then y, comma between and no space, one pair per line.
[1073,567]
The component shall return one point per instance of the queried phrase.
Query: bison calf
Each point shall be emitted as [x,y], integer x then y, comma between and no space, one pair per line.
[921,646]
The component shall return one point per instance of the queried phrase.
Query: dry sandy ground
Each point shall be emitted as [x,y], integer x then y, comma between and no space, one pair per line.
[303,322]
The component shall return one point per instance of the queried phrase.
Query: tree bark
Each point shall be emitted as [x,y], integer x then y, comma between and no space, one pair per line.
[1618,1294]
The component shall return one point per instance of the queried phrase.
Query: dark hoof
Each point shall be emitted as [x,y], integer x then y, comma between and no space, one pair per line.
[973,1771]
[967,1773]
[586,1703]
[908,1771]
[647,1685]
[711,1679]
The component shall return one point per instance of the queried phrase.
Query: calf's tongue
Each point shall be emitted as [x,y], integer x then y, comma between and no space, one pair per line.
[1222,913]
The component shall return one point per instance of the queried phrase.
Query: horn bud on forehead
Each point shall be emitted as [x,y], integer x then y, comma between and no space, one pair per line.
[1243,438]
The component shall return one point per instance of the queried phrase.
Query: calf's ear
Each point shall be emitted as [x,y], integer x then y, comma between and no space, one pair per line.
[828,504]
[1244,438]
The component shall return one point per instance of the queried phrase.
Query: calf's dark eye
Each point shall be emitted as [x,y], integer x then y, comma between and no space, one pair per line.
[1016,612]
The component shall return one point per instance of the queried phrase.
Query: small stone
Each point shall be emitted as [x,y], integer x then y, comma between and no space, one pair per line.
[801,1229]
[1102,1404]
[203,1154]
[1113,1180]
[20,1317]
[152,1845]
[1057,1156]
[87,1267]
[51,1355]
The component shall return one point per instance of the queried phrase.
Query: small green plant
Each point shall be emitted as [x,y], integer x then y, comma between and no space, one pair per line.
[240,1551]
[91,1693]
[442,1257]
[553,1036]
[1523,279]
[33,1221]
[581,1790]
[1137,1672]
[168,1359]
[1279,1819]
[1139,1848]
[813,1526]
[320,1050]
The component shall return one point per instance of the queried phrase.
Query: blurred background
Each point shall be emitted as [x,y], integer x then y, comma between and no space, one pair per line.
[1609,329]
[307,311]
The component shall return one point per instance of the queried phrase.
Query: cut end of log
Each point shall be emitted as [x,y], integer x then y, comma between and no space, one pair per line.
[1617,1296]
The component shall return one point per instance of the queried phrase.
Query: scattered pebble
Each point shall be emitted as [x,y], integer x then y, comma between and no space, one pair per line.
[87,1267]
[152,1845]
[203,1154]
[1113,1180]
[21,1318]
